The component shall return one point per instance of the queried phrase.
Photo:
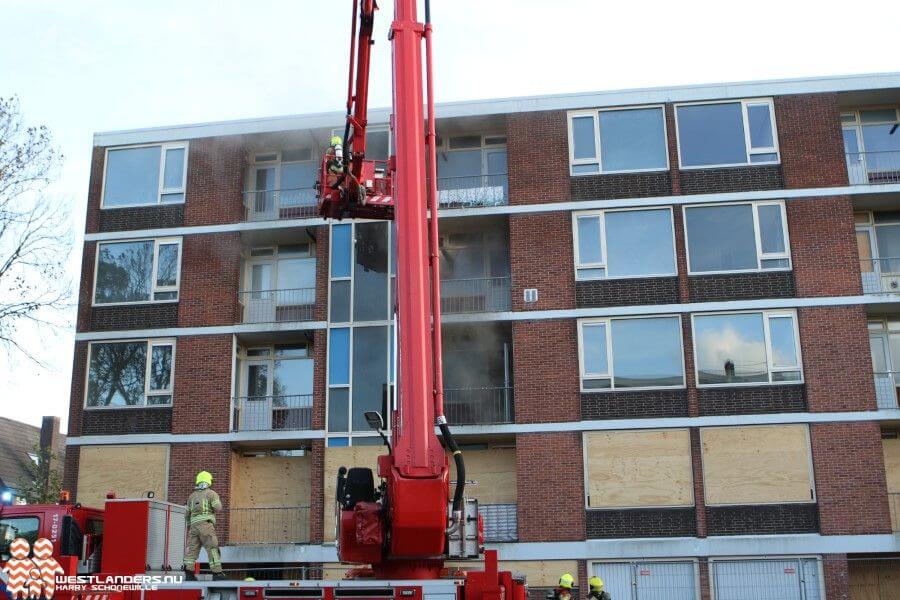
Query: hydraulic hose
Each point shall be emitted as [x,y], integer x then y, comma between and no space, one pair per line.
[460,466]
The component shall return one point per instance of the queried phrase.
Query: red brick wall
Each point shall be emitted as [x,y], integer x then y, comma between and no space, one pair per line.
[316,493]
[186,460]
[837,365]
[322,271]
[538,157]
[672,140]
[697,470]
[550,487]
[202,384]
[836,572]
[810,140]
[319,354]
[76,399]
[541,256]
[823,246]
[546,387]
[850,480]
[70,471]
[215,181]
[95,188]
[86,286]
[210,280]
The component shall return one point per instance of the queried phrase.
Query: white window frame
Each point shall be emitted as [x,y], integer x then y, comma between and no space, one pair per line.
[748,150]
[485,148]
[277,163]
[161,190]
[597,159]
[604,264]
[771,367]
[154,288]
[760,256]
[151,343]
[607,322]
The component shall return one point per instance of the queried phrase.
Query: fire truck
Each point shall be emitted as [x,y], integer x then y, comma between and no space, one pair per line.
[399,531]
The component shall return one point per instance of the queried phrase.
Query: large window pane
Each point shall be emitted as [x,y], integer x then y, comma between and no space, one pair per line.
[132,177]
[632,139]
[124,272]
[887,238]
[730,349]
[596,362]
[377,145]
[116,374]
[339,356]
[721,238]
[647,352]
[167,265]
[339,409]
[161,368]
[583,144]
[464,165]
[639,243]
[771,230]
[341,250]
[370,358]
[370,276]
[760,119]
[293,377]
[296,273]
[173,175]
[711,134]
[784,348]
[340,301]
[589,247]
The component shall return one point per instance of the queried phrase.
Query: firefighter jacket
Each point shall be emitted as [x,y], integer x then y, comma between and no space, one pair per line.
[202,506]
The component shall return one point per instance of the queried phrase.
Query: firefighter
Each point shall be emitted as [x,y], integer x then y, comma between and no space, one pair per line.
[202,506]
[564,589]
[597,593]
[335,147]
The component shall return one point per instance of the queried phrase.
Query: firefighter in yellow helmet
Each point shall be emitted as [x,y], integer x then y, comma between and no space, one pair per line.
[202,506]
[336,148]
[597,592]
[564,589]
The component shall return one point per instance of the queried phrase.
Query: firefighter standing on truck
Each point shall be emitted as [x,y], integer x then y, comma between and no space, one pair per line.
[202,506]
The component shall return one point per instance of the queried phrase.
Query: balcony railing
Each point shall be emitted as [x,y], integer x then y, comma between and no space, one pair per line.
[479,406]
[278,306]
[272,413]
[865,168]
[478,294]
[894,503]
[500,522]
[886,383]
[272,205]
[474,190]
[276,525]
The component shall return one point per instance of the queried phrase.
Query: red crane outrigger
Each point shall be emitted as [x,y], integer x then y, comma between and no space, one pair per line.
[404,528]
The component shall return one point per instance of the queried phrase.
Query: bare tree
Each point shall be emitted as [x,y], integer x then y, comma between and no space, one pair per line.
[34,231]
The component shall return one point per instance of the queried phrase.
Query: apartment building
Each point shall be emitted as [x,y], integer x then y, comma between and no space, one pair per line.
[671,333]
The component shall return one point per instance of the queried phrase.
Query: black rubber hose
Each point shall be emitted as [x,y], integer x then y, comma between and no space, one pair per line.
[427,11]
[460,466]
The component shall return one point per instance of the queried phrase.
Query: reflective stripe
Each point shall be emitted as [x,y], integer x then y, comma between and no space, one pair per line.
[202,518]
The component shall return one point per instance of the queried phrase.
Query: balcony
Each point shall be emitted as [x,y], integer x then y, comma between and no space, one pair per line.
[276,525]
[273,205]
[886,389]
[500,522]
[474,295]
[479,406]
[278,306]
[272,413]
[873,168]
[473,190]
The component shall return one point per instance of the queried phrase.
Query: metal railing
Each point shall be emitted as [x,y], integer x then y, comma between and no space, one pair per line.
[501,522]
[277,306]
[272,413]
[271,205]
[865,168]
[894,504]
[473,190]
[886,383]
[479,406]
[275,525]
[478,294]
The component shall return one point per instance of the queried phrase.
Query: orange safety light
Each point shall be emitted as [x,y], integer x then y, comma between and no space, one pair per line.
[65,497]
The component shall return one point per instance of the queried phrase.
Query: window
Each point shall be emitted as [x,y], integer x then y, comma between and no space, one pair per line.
[632,353]
[137,271]
[872,145]
[723,134]
[747,348]
[16,527]
[282,185]
[761,464]
[624,243]
[145,175]
[618,140]
[737,237]
[472,170]
[130,373]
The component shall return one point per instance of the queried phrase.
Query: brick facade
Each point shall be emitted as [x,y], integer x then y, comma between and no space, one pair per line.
[202,402]
[653,404]
[731,179]
[143,217]
[186,460]
[810,140]
[623,292]
[537,147]
[215,181]
[762,519]
[741,286]
[210,280]
[155,315]
[626,185]
[110,421]
[641,523]
[541,257]
[545,374]
[748,400]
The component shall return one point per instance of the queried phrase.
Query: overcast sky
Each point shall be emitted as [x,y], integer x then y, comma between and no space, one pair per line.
[99,65]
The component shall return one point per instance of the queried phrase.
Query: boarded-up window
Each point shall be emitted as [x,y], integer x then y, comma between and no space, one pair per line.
[269,500]
[494,471]
[129,471]
[891,449]
[756,465]
[639,468]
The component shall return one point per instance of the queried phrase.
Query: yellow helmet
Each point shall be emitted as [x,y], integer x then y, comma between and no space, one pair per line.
[596,583]
[566,581]
[249,579]
[335,140]
[204,477]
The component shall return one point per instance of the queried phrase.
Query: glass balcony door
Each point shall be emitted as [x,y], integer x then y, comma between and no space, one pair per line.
[261,299]
[256,412]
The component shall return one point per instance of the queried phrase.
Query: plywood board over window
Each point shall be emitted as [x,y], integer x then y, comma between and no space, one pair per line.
[494,471]
[335,458]
[129,471]
[767,464]
[627,469]
[891,449]
[269,481]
